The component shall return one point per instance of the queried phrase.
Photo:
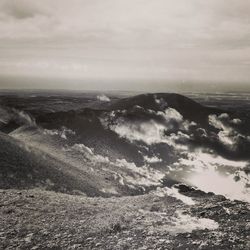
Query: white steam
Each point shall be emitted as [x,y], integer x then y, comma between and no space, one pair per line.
[177,223]
[153,159]
[151,131]
[173,192]
[227,135]
[103,98]
[208,174]
[184,223]
[63,132]
[127,173]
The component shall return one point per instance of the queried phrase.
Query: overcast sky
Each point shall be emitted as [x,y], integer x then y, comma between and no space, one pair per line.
[124,44]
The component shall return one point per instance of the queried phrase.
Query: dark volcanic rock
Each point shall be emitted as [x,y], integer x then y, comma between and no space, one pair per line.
[187,107]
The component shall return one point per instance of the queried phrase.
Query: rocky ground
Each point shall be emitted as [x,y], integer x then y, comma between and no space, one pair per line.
[36,219]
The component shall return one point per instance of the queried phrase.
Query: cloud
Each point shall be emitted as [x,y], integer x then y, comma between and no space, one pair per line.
[22,9]
[103,98]
[178,223]
[126,173]
[228,176]
[137,23]
[173,192]
[153,159]
[16,116]
[63,132]
[143,40]
[227,134]
[148,126]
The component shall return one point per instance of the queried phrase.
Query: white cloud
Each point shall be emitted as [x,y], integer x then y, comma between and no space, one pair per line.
[16,115]
[126,173]
[227,135]
[173,192]
[151,131]
[153,159]
[139,176]
[178,223]
[63,132]
[186,223]
[207,172]
[103,98]
[88,153]
[236,121]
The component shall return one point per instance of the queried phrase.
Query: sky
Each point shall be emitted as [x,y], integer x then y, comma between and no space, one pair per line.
[151,45]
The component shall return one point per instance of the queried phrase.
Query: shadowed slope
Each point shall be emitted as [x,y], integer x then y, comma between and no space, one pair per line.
[22,166]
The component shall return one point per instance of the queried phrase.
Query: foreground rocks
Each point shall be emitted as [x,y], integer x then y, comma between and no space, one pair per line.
[35,219]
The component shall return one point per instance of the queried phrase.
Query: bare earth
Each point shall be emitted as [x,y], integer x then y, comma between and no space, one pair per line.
[35,219]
